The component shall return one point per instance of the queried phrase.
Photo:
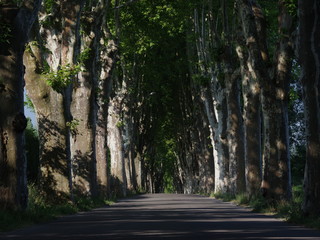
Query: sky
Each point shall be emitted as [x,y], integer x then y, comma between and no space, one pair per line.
[29,113]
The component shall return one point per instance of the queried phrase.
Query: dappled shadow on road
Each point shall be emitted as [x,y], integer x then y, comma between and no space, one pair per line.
[162,216]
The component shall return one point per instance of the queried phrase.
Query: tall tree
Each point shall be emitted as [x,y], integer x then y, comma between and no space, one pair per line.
[83,104]
[108,57]
[213,90]
[252,123]
[276,174]
[251,96]
[309,58]
[232,77]
[16,22]
[115,122]
[51,68]
[282,72]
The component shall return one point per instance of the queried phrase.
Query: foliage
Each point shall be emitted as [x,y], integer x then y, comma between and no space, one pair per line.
[153,54]
[292,6]
[32,152]
[63,77]
[28,103]
[16,2]
[163,164]
[270,10]
[87,203]
[298,164]
[120,124]
[39,210]
[84,56]
[200,79]
[292,210]
[73,125]
[66,74]
[5,30]
[226,197]
[49,5]
[44,50]
[145,25]
[296,126]
[289,210]
[257,203]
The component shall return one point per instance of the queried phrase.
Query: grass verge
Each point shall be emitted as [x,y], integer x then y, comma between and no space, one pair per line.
[39,211]
[289,210]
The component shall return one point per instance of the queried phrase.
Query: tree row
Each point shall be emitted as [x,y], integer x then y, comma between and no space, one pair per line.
[168,96]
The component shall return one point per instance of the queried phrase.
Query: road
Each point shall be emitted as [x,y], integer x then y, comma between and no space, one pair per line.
[165,216]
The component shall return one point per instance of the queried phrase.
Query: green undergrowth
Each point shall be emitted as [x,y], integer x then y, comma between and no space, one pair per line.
[39,211]
[289,210]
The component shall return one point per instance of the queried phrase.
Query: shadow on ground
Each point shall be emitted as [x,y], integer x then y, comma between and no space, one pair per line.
[160,216]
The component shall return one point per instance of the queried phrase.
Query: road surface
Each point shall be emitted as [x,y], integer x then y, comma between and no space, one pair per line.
[165,216]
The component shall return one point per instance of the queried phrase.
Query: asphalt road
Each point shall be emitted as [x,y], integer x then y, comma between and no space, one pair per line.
[161,216]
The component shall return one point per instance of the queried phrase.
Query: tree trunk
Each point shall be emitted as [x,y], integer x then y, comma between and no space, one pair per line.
[257,76]
[55,169]
[108,59]
[127,128]
[235,136]
[276,178]
[127,133]
[275,184]
[281,80]
[213,93]
[189,143]
[309,57]
[237,181]
[51,95]
[83,106]
[115,143]
[271,109]
[252,125]
[216,111]
[204,149]
[221,149]
[16,23]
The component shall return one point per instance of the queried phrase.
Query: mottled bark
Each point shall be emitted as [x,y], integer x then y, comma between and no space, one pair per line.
[127,133]
[275,184]
[202,142]
[189,157]
[16,23]
[118,182]
[270,108]
[252,125]
[48,104]
[120,128]
[137,141]
[252,84]
[309,58]
[235,135]
[221,148]
[108,59]
[203,150]
[52,50]
[214,97]
[281,80]
[216,111]
[141,117]
[83,106]
[127,129]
